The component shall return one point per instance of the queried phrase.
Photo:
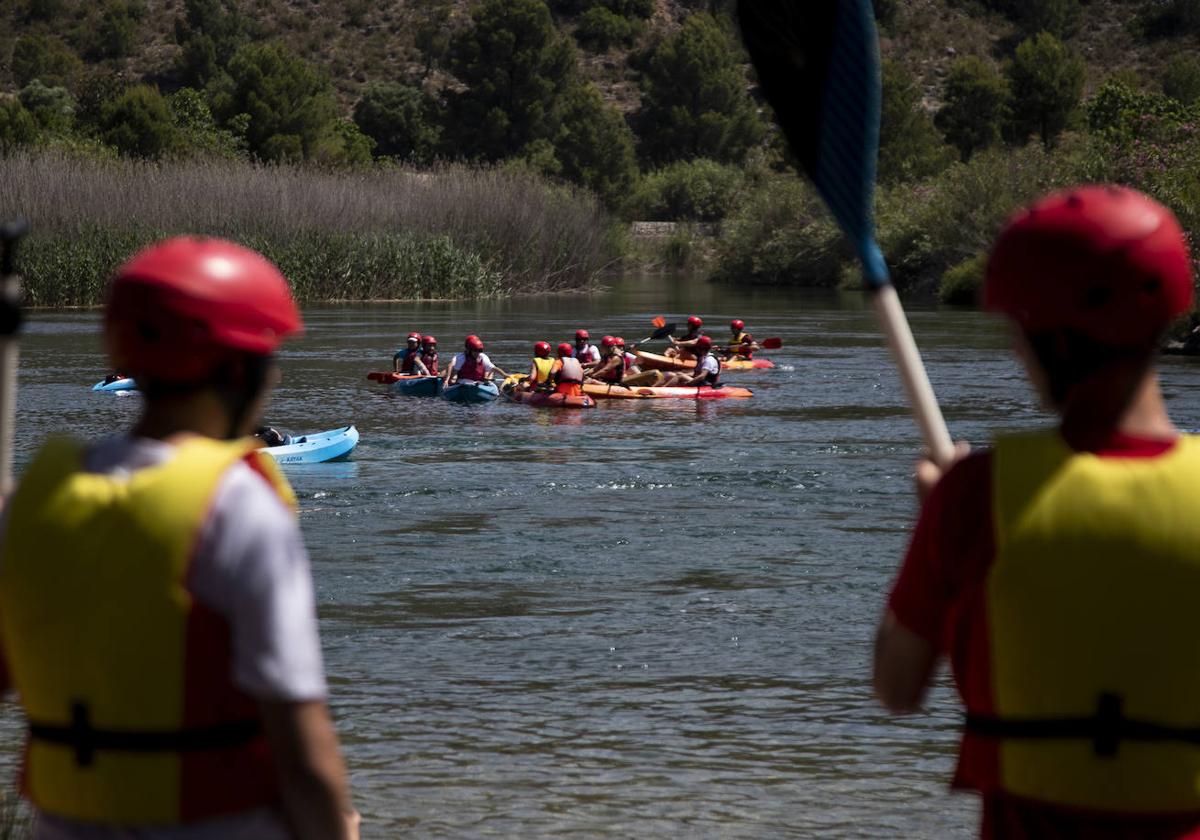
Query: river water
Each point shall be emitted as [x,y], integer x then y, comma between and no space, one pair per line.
[648,620]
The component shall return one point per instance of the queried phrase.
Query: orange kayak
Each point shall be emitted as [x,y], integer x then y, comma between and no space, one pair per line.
[546,400]
[645,392]
[653,361]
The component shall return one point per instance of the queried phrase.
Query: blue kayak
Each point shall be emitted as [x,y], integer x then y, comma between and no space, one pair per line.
[471,392]
[316,448]
[125,384]
[418,386]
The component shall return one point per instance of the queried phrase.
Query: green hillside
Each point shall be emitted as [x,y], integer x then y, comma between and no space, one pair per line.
[648,105]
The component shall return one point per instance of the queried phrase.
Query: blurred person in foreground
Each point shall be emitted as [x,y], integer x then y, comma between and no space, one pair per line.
[156,605]
[1060,571]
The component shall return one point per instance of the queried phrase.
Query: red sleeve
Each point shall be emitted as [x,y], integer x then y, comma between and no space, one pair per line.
[955,523]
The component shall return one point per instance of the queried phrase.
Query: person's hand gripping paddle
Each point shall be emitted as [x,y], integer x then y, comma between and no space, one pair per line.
[818,65]
[10,324]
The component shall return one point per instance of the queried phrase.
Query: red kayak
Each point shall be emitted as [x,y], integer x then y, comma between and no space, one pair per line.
[647,392]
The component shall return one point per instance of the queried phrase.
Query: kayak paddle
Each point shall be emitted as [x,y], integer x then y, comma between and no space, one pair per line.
[663,331]
[10,325]
[818,66]
[771,343]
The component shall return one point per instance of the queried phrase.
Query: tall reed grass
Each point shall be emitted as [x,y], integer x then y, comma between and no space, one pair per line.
[453,232]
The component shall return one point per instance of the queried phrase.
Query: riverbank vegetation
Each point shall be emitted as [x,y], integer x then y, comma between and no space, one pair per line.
[450,148]
[395,233]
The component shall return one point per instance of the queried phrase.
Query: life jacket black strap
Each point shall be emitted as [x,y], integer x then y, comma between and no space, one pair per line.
[1106,729]
[81,736]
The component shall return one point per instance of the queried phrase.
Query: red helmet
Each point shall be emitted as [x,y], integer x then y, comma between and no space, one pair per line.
[703,344]
[582,335]
[429,341]
[565,350]
[694,322]
[737,324]
[473,342]
[608,341]
[177,309]
[414,336]
[617,340]
[1106,261]
[542,348]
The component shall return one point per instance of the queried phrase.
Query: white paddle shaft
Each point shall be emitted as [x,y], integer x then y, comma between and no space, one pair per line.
[912,372]
[8,395]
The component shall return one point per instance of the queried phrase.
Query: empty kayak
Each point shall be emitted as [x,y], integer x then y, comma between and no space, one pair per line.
[546,400]
[409,384]
[653,361]
[125,384]
[316,448]
[644,392]
[471,392]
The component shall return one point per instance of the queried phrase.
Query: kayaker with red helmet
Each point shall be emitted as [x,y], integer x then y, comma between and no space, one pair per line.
[682,347]
[567,373]
[156,604]
[584,350]
[707,372]
[427,362]
[403,360]
[472,365]
[540,372]
[1059,572]
[611,369]
[741,344]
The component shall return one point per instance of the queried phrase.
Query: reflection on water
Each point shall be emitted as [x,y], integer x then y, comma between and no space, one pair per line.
[651,619]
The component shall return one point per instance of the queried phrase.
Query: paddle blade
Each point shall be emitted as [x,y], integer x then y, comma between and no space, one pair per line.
[771,343]
[818,66]
[659,322]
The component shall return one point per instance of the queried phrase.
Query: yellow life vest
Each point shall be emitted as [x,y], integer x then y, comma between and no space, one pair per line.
[125,679]
[1091,607]
[543,366]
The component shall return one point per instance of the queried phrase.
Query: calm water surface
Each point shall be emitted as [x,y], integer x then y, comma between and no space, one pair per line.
[643,621]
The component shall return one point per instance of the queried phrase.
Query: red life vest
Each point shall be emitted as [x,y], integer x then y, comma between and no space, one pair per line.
[472,369]
[615,374]
[430,361]
[406,363]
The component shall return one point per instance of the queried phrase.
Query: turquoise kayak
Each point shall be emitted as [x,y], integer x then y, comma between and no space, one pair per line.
[471,392]
[315,448]
[125,384]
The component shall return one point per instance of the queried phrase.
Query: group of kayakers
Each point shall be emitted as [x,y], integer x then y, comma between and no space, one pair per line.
[565,368]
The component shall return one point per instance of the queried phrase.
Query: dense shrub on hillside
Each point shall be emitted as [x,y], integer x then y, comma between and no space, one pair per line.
[974,106]
[140,123]
[782,234]
[600,28]
[432,34]
[1046,82]
[17,126]
[290,104]
[401,119]
[594,145]
[909,145]
[515,66]
[198,132]
[210,33]
[1181,79]
[694,101]
[1169,18]
[695,190]
[1058,17]
[52,108]
[116,36]
[47,59]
